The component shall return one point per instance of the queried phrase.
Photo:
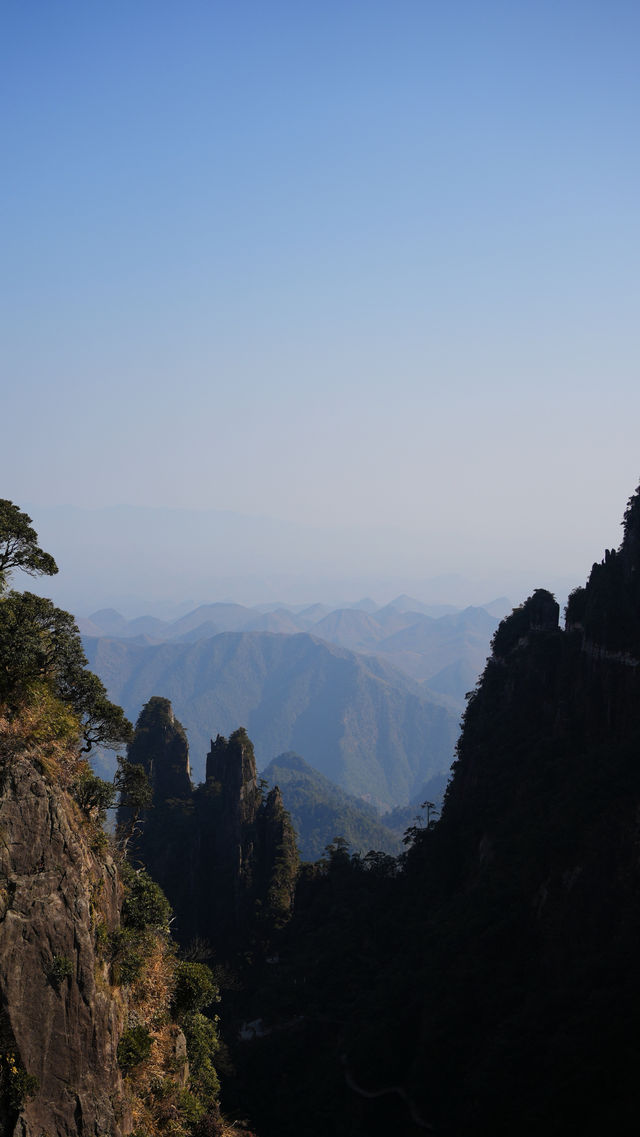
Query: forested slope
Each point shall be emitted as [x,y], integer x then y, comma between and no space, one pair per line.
[489,984]
[356,720]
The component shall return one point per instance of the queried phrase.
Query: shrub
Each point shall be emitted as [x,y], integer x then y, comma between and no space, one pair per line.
[127,954]
[195,989]
[134,1047]
[190,1108]
[16,1085]
[93,795]
[145,904]
[202,1044]
[61,968]
[211,1125]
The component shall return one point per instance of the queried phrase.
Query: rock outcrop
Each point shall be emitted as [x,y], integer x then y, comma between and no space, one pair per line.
[491,985]
[59,1020]
[160,745]
[224,854]
[530,1013]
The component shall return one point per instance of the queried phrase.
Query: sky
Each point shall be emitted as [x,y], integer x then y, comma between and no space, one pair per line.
[356,266]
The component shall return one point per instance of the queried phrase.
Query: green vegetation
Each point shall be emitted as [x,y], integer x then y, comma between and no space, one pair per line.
[203,1043]
[366,727]
[61,968]
[320,810]
[484,981]
[19,547]
[51,711]
[195,988]
[94,795]
[16,1085]
[487,981]
[163,992]
[539,611]
[134,1047]
[145,904]
[40,645]
[238,844]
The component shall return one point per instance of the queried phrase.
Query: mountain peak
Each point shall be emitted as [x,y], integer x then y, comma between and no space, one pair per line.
[630,548]
[160,746]
[539,613]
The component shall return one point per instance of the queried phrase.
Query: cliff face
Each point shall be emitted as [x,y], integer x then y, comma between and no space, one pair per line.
[59,1021]
[531,990]
[555,707]
[225,857]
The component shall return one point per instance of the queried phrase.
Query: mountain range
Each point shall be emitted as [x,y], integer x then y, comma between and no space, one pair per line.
[321,811]
[356,719]
[439,645]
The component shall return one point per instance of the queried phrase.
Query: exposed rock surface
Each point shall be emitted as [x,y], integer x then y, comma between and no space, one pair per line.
[160,745]
[224,855]
[59,1020]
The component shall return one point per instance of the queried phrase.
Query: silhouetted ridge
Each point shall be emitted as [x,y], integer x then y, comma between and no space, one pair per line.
[232,765]
[538,614]
[491,984]
[224,854]
[607,610]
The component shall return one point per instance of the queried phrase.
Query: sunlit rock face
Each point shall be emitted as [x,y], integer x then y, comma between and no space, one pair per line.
[60,1022]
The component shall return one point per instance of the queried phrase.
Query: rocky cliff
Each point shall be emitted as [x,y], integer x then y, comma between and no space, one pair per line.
[531,993]
[100,1025]
[488,985]
[101,1030]
[60,1021]
[223,852]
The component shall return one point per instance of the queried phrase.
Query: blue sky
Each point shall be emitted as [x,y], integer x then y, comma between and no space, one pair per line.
[349,263]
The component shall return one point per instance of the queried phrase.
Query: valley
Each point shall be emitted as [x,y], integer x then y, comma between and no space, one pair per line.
[335,693]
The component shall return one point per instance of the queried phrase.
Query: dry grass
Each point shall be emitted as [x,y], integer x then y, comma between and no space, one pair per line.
[45,731]
[155,1085]
[152,992]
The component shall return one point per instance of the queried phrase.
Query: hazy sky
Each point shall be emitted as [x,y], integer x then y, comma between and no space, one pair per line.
[332,262]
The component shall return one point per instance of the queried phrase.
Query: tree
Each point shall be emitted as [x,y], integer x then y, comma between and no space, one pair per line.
[40,643]
[135,795]
[94,795]
[19,547]
[103,723]
[195,989]
[37,642]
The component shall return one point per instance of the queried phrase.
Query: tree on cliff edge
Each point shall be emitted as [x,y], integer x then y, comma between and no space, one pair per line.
[40,643]
[19,547]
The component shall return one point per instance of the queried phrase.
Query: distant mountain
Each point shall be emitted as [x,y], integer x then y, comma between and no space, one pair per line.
[425,648]
[281,621]
[321,811]
[357,720]
[406,603]
[445,652]
[492,985]
[455,680]
[108,622]
[365,605]
[351,628]
[310,615]
[499,608]
[224,617]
